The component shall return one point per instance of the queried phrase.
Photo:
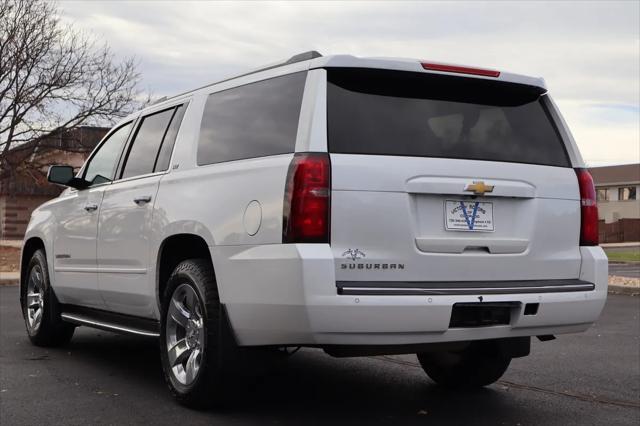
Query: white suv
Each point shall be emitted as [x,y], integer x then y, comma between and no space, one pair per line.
[363,206]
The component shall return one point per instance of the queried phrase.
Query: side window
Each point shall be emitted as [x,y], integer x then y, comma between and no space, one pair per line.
[102,165]
[254,120]
[164,156]
[627,193]
[602,195]
[146,144]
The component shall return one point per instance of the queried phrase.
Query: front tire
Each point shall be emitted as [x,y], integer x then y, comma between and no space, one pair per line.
[478,365]
[40,307]
[190,334]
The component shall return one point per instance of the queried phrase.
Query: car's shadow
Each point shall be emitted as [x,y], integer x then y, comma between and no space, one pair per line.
[307,387]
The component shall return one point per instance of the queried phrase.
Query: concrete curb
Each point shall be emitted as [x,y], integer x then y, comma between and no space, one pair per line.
[11,243]
[9,278]
[621,245]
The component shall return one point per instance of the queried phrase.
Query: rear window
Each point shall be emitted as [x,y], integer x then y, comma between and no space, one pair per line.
[381,112]
[254,120]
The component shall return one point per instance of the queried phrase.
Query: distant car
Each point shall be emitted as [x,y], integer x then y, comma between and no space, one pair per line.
[363,206]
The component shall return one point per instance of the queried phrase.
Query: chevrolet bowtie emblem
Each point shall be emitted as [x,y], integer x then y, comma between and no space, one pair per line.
[479,188]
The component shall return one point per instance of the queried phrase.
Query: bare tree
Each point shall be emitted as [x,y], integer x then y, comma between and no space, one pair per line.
[54,78]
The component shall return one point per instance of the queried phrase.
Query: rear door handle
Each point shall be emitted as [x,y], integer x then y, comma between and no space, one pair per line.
[91,207]
[141,200]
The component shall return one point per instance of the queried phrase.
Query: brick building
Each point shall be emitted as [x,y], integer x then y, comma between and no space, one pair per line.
[27,188]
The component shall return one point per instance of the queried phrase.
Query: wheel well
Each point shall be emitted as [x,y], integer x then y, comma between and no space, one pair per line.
[30,247]
[176,249]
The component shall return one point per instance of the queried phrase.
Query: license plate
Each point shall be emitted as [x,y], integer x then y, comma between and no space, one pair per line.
[470,216]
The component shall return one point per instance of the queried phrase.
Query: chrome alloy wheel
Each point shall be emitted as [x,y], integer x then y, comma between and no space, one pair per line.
[35,298]
[185,334]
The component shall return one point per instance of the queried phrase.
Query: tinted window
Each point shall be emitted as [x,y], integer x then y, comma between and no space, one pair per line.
[102,166]
[412,114]
[602,195]
[627,193]
[254,120]
[164,156]
[146,143]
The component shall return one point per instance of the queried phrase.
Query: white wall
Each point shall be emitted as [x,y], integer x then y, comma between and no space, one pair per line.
[614,209]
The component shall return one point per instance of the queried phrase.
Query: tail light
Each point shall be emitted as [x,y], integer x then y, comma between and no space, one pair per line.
[459,69]
[307,199]
[588,209]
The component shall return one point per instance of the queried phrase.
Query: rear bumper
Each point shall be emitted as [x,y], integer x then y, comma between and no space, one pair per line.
[287,295]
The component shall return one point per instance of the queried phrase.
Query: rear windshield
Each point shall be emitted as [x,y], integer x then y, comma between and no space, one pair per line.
[381,112]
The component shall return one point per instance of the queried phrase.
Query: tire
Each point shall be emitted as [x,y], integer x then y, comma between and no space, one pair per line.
[478,365]
[191,336]
[40,307]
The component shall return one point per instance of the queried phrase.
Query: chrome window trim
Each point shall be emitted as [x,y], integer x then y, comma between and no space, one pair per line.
[460,288]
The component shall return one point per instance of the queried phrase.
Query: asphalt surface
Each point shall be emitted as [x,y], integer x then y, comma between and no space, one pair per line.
[101,378]
[631,270]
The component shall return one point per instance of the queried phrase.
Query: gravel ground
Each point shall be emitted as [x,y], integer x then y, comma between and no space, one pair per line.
[9,259]
[624,281]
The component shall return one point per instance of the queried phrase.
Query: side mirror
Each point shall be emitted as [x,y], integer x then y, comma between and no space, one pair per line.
[63,175]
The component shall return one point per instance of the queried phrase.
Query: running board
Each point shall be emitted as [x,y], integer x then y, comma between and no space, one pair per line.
[110,321]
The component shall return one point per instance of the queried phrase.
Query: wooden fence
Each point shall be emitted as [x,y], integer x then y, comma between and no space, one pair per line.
[624,230]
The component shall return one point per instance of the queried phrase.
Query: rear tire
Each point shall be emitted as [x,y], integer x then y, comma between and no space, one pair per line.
[190,337]
[40,307]
[478,365]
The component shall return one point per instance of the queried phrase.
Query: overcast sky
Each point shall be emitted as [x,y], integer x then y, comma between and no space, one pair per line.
[588,52]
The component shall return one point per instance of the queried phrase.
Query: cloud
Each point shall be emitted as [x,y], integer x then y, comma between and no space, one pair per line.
[606,133]
[588,52]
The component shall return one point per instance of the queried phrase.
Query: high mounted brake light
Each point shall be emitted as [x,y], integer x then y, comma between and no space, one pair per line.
[459,70]
[588,209]
[307,199]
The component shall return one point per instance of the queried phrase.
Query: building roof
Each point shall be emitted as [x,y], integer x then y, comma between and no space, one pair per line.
[610,175]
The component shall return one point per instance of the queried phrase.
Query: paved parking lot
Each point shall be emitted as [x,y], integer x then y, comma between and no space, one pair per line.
[102,378]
